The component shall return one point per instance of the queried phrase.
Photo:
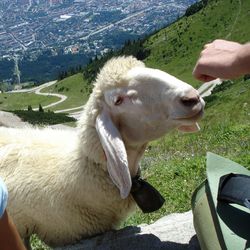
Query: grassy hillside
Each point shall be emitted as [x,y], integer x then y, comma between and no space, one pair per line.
[74,87]
[15,101]
[176,48]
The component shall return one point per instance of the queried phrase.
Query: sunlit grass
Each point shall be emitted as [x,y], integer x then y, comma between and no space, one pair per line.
[74,87]
[14,101]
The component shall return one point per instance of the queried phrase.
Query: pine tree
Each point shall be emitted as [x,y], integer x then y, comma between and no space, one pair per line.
[40,108]
[30,108]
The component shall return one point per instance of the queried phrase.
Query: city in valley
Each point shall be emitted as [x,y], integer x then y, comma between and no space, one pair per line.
[31,28]
[82,25]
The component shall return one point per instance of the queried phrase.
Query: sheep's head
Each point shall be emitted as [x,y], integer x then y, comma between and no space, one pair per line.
[143,105]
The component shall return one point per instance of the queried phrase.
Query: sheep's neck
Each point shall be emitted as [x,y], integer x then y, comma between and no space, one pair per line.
[134,154]
[95,151]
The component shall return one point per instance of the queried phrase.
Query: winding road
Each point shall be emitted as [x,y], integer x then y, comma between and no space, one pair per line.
[37,91]
[62,97]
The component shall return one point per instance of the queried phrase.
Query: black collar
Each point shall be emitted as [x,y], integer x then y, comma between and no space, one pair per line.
[146,196]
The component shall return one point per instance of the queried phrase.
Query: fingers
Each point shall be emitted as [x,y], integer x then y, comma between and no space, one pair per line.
[201,67]
[201,72]
[218,59]
[204,78]
[207,45]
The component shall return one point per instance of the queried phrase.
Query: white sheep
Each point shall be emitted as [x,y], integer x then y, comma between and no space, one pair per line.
[66,185]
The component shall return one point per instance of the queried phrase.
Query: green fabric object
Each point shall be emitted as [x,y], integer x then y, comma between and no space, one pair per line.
[220,225]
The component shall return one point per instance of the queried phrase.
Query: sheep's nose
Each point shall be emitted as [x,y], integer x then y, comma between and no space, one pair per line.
[190,99]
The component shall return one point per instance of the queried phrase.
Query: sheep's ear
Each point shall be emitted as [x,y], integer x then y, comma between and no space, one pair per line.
[114,148]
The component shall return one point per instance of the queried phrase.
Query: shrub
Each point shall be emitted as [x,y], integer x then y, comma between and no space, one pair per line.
[195,7]
[246,77]
[43,118]
[61,89]
[29,108]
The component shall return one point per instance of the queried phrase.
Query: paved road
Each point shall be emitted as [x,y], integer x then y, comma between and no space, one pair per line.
[31,90]
[37,90]
[62,97]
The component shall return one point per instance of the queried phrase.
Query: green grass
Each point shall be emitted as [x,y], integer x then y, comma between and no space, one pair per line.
[175,49]
[74,87]
[175,164]
[14,101]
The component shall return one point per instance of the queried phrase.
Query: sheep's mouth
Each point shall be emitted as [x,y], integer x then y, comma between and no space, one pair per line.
[193,117]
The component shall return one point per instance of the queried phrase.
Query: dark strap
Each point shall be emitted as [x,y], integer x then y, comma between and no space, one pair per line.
[235,188]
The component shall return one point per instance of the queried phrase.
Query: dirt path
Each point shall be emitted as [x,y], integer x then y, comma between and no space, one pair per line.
[235,20]
[32,90]
[37,91]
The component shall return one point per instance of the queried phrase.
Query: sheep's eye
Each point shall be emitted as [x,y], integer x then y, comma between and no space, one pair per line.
[118,100]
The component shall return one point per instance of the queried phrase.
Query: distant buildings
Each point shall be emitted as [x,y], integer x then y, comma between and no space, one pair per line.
[31,28]
[54,2]
[38,2]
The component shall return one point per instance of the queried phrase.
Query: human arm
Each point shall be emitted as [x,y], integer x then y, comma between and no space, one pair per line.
[9,237]
[222,59]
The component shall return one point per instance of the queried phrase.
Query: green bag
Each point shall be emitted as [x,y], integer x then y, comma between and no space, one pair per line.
[218,221]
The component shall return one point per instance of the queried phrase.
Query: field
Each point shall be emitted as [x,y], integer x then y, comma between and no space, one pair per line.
[13,101]
[176,48]
[74,87]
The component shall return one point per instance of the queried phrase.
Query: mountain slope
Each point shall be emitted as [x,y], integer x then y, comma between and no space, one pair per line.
[176,48]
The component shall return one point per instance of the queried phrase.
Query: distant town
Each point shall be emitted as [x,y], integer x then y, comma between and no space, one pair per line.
[31,28]
[80,25]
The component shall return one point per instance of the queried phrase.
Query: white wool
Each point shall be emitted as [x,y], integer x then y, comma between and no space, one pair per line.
[58,182]
[54,189]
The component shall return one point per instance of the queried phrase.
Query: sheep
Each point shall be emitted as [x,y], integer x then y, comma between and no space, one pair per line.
[69,185]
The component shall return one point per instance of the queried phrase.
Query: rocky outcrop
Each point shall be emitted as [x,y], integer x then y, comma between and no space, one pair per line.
[12,121]
[174,231]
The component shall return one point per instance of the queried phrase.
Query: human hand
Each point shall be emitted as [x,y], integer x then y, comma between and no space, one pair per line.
[219,59]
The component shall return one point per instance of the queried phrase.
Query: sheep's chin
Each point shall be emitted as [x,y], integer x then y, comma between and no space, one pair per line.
[189,128]
[192,117]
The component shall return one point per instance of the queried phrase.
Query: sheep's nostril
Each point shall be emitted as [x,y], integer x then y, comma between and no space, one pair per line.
[190,101]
